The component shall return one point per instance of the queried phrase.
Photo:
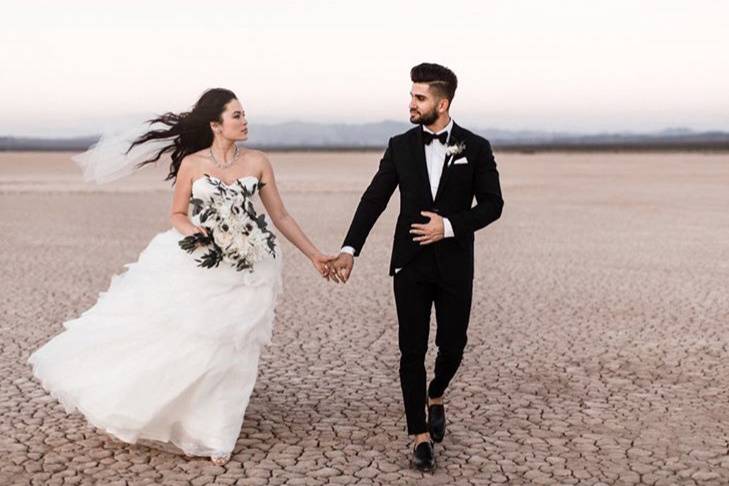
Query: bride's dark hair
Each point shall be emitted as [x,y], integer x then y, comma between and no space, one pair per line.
[189,130]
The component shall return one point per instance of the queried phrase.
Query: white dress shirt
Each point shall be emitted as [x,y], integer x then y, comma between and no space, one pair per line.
[435,153]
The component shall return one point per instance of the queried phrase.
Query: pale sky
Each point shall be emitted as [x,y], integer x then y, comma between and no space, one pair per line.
[72,67]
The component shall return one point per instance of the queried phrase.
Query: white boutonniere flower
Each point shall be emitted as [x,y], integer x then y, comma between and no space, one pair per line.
[455,149]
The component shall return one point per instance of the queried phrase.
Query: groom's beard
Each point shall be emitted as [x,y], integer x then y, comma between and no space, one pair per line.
[424,119]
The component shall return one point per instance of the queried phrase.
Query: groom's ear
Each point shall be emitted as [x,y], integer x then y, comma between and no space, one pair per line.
[443,105]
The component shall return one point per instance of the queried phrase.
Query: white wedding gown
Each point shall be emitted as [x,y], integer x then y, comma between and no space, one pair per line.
[170,351]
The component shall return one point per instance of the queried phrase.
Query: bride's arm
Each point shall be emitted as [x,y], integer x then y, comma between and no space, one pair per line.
[284,222]
[181,200]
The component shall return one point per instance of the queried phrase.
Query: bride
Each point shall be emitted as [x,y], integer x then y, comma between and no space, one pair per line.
[170,351]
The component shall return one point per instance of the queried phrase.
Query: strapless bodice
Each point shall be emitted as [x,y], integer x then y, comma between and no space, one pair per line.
[207,184]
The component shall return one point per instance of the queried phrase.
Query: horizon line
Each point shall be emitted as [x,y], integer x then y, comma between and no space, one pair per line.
[672,130]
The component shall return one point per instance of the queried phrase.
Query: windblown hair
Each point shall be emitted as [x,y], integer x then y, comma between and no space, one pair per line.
[438,77]
[189,131]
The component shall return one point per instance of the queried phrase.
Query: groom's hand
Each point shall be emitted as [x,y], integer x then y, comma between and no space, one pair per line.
[429,232]
[341,267]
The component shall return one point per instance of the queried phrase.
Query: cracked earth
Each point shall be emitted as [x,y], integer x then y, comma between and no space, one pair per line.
[597,346]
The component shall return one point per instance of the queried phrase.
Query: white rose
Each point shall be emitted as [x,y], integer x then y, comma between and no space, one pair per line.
[455,149]
[223,238]
[241,242]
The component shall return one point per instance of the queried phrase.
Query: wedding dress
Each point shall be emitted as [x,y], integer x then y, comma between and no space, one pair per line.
[170,351]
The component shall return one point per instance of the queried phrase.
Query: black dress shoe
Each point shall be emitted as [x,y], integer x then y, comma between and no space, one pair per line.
[436,422]
[424,456]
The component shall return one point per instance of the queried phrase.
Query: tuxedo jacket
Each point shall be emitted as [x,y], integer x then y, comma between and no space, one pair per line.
[467,175]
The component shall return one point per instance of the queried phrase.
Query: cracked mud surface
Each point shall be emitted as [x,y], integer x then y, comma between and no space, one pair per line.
[597,347]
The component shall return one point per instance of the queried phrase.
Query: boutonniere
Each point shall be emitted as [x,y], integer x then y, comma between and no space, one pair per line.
[456,148]
[453,150]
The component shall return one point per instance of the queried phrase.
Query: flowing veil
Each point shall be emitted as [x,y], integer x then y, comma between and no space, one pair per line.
[108,160]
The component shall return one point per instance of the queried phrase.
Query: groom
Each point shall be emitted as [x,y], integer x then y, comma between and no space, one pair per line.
[439,168]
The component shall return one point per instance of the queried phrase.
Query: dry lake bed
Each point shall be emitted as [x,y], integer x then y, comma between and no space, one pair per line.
[598,344]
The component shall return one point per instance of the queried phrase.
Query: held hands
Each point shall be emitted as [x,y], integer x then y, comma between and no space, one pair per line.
[341,268]
[322,263]
[429,232]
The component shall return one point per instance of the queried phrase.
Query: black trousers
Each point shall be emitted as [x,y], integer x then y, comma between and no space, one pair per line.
[418,286]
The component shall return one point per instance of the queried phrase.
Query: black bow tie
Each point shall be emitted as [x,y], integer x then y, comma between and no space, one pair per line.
[429,137]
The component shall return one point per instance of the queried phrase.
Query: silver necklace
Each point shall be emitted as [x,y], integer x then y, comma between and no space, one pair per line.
[226,163]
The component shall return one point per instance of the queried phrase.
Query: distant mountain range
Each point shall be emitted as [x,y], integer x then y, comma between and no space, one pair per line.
[322,136]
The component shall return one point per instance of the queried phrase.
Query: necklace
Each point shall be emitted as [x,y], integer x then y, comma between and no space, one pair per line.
[226,163]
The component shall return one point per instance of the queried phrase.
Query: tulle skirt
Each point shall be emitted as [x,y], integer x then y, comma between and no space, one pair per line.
[169,352]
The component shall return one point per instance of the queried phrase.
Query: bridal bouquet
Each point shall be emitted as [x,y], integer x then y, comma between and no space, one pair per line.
[235,233]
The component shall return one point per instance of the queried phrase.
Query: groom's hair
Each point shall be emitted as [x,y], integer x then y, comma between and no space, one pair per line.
[438,77]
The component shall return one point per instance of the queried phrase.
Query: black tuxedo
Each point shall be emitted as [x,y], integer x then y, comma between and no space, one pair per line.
[403,166]
[440,273]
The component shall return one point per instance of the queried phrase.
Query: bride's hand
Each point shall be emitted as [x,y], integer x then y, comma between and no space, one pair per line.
[321,263]
[196,237]
[198,229]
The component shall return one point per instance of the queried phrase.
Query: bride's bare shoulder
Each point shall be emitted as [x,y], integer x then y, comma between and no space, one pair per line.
[191,164]
[257,157]
[195,159]
[253,153]
[199,156]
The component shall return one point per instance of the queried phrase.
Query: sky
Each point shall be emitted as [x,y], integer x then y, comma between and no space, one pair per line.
[77,67]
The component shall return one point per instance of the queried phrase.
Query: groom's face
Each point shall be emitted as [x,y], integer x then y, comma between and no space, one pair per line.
[424,104]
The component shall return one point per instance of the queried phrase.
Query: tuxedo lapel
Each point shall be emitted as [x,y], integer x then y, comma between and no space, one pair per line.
[443,173]
[455,139]
[418,152]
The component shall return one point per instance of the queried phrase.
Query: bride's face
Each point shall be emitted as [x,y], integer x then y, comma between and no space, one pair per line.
[234,125]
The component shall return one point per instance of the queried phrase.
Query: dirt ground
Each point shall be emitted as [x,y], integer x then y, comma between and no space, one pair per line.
[597,346]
